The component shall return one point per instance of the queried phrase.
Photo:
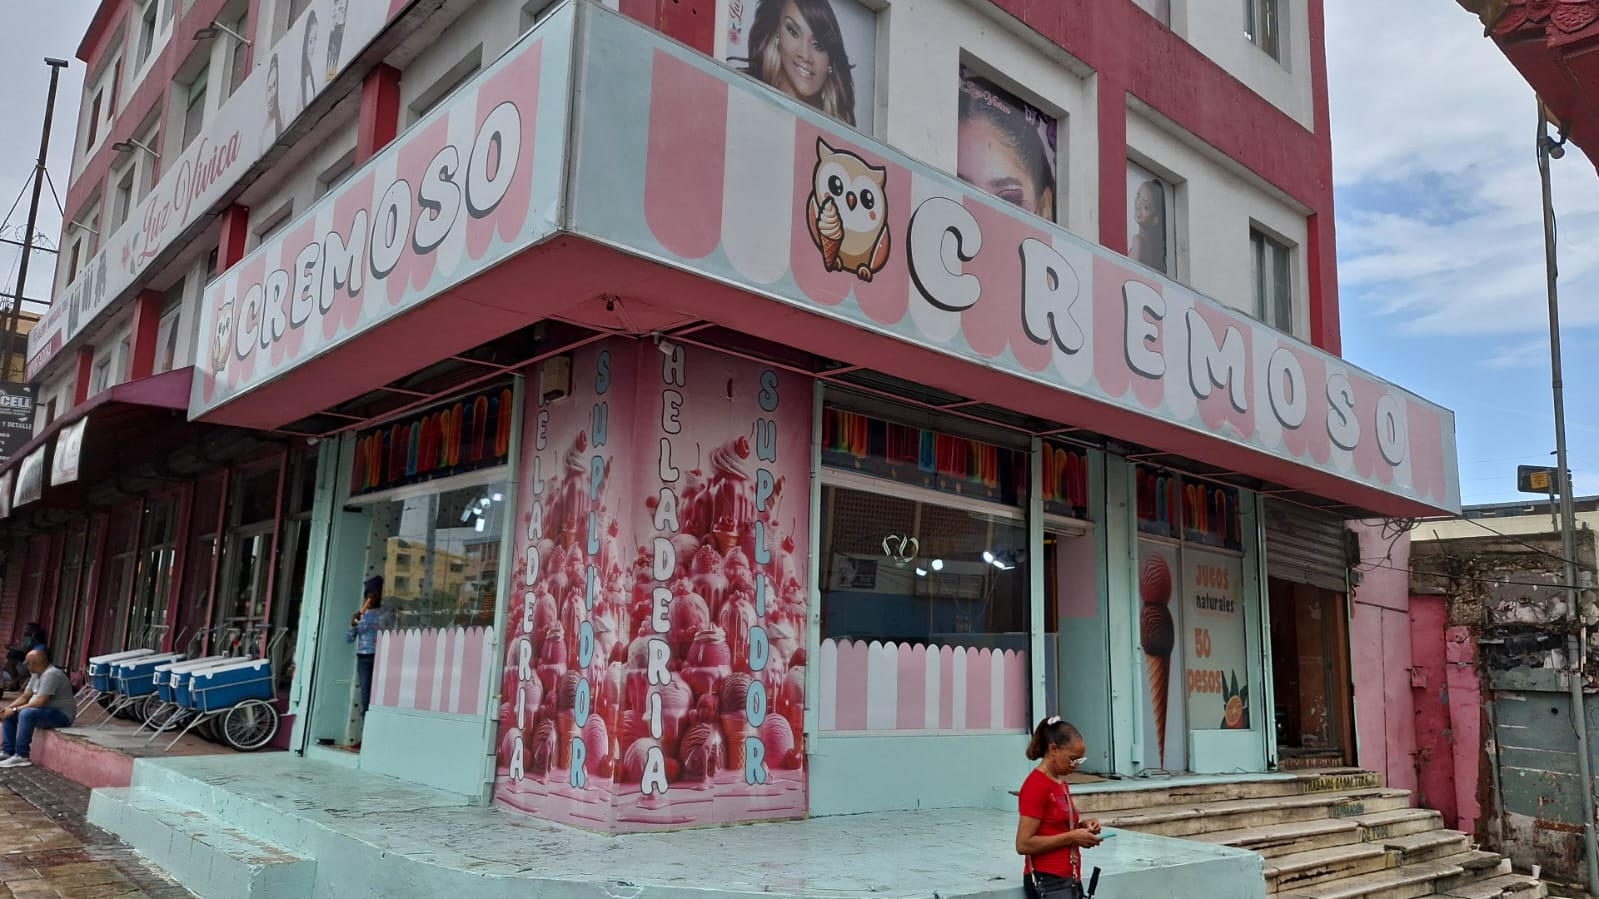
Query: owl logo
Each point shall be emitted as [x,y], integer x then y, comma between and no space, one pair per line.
[222,342]
[848,212]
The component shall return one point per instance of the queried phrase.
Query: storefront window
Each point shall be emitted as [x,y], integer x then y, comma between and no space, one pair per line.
[153,578]
[108,634]
[439,555]
[72,569]
[918,573]
[194,606]
[78,601]
[1191,613]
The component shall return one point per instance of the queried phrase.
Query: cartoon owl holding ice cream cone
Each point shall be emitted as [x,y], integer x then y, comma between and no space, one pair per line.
[848,212]
[222,340]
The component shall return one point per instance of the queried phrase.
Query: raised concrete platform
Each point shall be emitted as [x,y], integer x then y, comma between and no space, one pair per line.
[103,756]
[295,827]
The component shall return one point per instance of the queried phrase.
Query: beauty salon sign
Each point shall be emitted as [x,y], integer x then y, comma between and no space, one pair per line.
[316,49]
[474,182]
[709,171]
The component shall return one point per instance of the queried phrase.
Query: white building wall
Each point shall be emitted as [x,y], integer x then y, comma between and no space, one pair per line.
[1216,29]
[1217,203]
[921,45]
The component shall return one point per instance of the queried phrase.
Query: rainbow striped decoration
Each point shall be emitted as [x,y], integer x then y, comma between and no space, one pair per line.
[458,436]
[922,456]
[887,686]
[1065,485]
[1171,506]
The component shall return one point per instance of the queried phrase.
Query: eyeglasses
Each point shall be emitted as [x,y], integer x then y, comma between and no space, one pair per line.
[1077,760]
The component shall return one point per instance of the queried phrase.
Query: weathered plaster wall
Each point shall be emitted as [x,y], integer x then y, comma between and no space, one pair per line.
[1510,733]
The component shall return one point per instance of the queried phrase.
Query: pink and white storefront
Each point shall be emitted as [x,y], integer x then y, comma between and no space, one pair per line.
[817,475]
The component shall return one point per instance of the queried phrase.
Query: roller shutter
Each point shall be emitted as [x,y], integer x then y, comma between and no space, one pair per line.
[1306,547]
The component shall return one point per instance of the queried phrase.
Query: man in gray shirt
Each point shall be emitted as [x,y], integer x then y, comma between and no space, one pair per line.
[47,702]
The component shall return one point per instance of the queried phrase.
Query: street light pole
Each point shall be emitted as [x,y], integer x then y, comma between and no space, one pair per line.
[15,314]
[1577,640]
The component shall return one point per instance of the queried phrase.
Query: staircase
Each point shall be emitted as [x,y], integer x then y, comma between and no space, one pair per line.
[1325,834]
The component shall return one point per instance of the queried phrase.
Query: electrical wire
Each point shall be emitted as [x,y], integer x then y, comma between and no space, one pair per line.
[1555,585]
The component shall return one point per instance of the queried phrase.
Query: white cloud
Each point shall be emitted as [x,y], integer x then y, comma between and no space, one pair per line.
[1522,354]
[1440,226]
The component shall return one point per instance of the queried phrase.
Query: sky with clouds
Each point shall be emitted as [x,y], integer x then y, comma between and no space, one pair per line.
[1440,237]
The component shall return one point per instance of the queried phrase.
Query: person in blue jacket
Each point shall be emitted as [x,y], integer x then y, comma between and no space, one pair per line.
[364,628]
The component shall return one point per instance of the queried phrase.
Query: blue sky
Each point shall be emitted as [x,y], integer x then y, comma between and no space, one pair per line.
[1439,231]
[1440,237]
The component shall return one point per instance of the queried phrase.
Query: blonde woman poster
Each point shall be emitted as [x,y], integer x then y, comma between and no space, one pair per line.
[1006,146]
[820,52]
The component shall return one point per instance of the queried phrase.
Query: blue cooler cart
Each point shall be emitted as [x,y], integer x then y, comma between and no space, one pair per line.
[240,696]
[99,672]
[133,679]
[161,708]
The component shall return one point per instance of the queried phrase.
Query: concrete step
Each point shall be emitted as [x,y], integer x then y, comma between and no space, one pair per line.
[1478,866]
[1397,823]
[1403,882]
[1187,820]
[199,851]
[1518,886]
[1103,798]
[1430,844]
[1283,839]
[1302,869]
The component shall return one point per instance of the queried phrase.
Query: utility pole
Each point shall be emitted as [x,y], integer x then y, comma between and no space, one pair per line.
[1577,639]
[15,314]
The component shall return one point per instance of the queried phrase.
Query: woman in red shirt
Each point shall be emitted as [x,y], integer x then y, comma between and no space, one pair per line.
[1049,834]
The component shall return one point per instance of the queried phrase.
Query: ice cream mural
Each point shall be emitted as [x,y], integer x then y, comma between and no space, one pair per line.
[1165,743]
[655,668]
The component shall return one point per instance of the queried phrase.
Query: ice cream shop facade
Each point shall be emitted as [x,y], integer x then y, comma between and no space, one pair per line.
[797,475]
[721,462]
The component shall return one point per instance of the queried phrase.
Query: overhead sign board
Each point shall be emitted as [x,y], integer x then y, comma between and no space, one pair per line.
[288,76]
[16,417]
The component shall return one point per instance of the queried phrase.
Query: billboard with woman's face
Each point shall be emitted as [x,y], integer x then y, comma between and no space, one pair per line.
[1151,225]
[1006,146]
[820,52]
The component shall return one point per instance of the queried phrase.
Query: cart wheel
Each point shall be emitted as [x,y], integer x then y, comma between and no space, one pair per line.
[150,708]
[250,725]
[208,728]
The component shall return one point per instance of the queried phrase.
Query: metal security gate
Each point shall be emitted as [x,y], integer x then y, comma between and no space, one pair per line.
[1306,547]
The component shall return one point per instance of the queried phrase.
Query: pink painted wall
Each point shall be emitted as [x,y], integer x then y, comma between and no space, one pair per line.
[82,761]
[1385,715]
[1465,721]
[1435,747]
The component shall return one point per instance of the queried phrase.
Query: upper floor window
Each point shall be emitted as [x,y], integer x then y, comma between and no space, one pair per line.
[194,105]
[121,197]
[1274,294]
[820,52]
[1160,9]
[1006,146]
[101,378]
[446,84]
[1151,220]
[94,119]
[1263,25]
[238,58]
[147,23]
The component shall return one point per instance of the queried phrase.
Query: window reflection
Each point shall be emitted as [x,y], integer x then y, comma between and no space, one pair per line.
[439,555]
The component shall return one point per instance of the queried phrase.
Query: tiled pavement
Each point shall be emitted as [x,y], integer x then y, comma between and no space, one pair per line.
[47,851]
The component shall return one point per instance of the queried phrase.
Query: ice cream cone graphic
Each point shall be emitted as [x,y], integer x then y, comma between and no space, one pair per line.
[1158,634]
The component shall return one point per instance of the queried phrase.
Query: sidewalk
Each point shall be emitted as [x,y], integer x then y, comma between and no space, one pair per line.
[47,850]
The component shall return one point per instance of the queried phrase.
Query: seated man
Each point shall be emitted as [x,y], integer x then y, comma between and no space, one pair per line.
[47,702]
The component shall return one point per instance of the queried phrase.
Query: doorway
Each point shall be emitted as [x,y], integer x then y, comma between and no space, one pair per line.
[1313,717]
